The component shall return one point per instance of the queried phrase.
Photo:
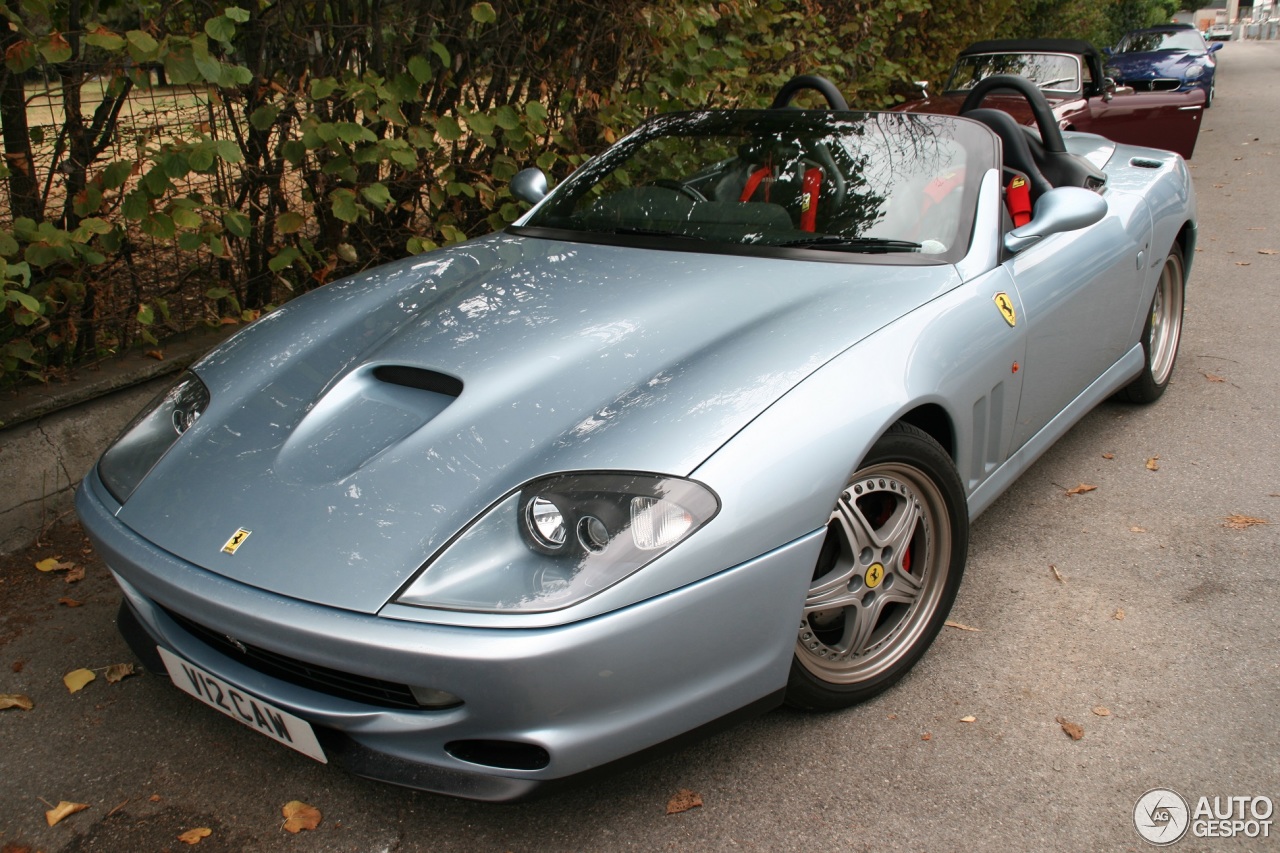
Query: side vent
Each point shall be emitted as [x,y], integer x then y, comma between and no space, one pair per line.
[1146,163]
[417,377]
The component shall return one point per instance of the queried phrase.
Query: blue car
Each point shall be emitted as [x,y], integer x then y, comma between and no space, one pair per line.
[1164,59]
[701,433]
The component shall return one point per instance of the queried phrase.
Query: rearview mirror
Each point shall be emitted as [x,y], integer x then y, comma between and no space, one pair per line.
[1058,210]
[529,185]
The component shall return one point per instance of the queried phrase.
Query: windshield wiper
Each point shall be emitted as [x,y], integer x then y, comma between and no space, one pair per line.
[852,244]
[655,232]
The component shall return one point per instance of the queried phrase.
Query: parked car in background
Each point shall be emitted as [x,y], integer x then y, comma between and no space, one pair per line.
[1070,75]
[1170,58]
[1220,32]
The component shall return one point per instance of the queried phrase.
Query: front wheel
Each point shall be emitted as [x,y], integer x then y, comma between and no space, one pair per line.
[1161,334]
[887,574]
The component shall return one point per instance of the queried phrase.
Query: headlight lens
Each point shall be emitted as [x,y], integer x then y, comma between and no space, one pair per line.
[561,539]
[150,434]
[1194,72]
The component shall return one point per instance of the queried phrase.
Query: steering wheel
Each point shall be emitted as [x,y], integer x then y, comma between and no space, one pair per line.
[1046,123]
[676,186]
[821,85]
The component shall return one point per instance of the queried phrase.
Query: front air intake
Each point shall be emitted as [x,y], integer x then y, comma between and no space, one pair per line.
[418,377]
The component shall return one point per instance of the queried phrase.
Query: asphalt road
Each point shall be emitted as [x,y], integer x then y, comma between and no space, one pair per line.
[1133,598]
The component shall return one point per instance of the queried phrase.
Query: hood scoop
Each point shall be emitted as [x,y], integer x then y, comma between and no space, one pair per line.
[364,414]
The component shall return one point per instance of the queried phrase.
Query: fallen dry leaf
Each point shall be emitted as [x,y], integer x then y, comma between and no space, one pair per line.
[926,736]
[1240,522]
[15,700]
[76,679]
[63,809]
[683,801]
[75,573]
[193,836]
[1212,377]
[960,625]
[1153,464]
[18,665]
[968,719]
[1268,252]
[1101,711]
[118,672]
[117,809]
[1118,615]
[1080,489]
[299,816]
[1108,456]
[1075,732]
[1242,263]
[158,355]
[1056,576]
[69,602]
[1137,530]
[53,564]
[155,798]
[892,717]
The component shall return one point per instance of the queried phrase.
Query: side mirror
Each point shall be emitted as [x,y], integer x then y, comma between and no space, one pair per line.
[529,185]
[1108,51]
[1058,210]
[923,86]
[1215,47]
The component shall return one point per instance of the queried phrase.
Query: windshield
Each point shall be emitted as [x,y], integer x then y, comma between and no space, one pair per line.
[1052,72]
[763,181]
[1169,40]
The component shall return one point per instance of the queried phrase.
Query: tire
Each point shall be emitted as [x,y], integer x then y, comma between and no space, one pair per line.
[1208,96]
[887,575]
[1161,333]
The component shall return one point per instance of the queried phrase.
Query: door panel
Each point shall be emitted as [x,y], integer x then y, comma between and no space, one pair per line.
[1168,120]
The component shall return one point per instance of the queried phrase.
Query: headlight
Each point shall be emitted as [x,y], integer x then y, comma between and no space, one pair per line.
[150,434]
[1194,72]
[560,540]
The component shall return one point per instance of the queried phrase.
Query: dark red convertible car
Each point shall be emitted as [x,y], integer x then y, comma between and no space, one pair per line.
[1070,75]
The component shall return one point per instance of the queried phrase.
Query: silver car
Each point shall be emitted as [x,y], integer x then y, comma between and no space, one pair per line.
[701,433]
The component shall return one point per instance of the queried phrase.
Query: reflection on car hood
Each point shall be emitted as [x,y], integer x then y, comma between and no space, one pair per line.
[1167,63]
[570,356]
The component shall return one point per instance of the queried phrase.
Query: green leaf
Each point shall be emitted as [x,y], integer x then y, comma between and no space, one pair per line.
[135,206]
[114,176]
[42,254]
[94,225]
[264,116]
[377,194]
[156,181]
[217,293]
[142,47]
[106,40]
[290,222]
[420,68]
[201,158]
[443,52]
[344,205]
[237,223]
[448,128]
[236,14]
[8,245]
[181,68]
[295,151]
[348,253]
[189,241]
[546,160]
[323,87]
[54,48]
[483,13]
[187,219]
[146,316]
[221,29]
[229,151]
[26,300]
[283,258]
[507,117]
[536,110]
[481,123]
[158,225]
[22,56]
[352,132]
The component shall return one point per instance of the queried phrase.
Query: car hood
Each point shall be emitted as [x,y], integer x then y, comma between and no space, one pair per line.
[337,435]
[1167,63]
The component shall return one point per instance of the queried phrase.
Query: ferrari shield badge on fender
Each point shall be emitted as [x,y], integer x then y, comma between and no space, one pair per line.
[236,540]
[1005,304]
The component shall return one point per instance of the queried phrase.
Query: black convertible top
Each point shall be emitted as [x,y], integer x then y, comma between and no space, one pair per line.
[1078,46]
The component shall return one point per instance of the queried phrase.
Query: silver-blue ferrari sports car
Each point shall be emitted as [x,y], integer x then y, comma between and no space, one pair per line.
[702,433]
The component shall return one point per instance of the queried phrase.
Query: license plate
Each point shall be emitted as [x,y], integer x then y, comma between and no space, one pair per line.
[263,717]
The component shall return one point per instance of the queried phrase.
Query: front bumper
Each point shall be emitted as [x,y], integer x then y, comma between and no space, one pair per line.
[589,693]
